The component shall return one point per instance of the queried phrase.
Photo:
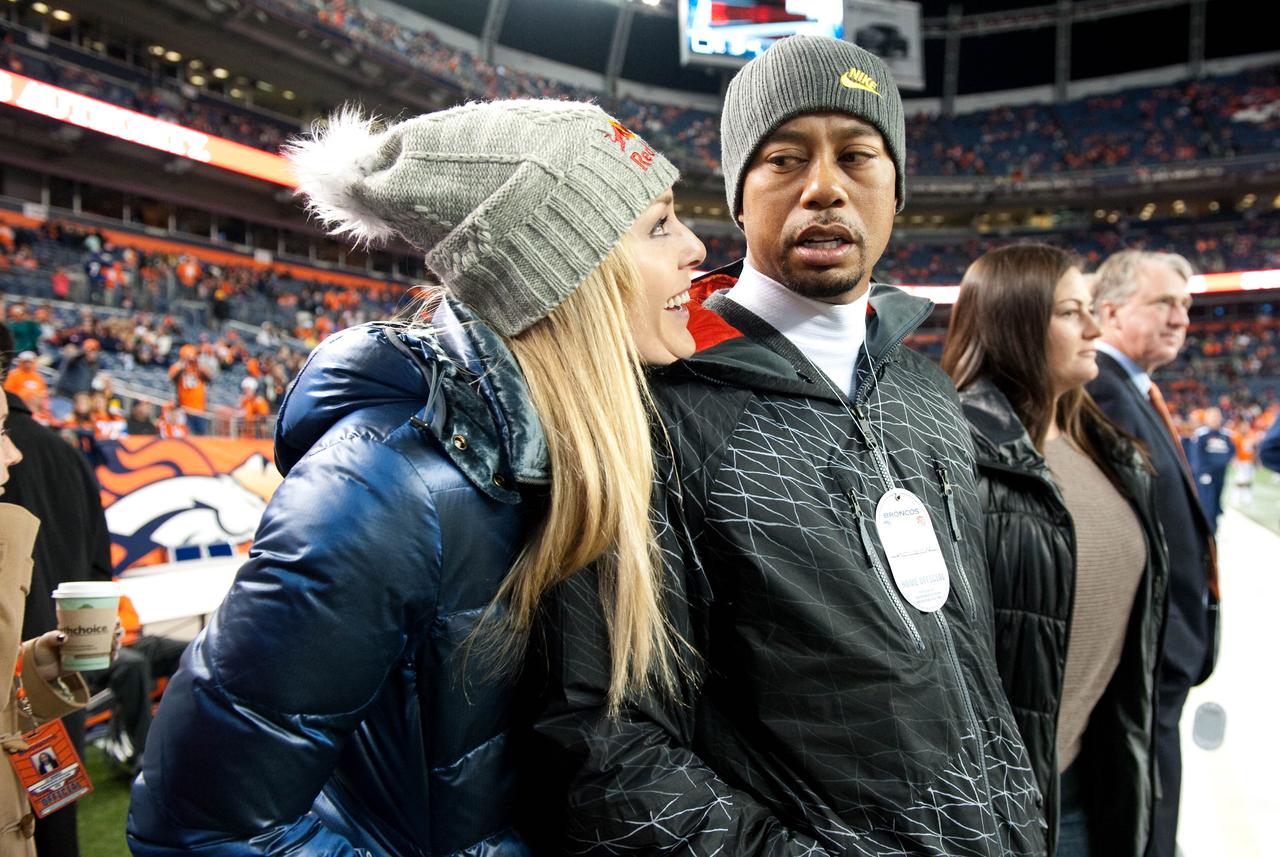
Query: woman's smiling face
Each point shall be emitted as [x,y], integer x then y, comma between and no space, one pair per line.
[666,255]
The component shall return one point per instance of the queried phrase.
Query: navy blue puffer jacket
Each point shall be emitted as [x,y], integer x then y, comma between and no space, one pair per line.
[325,710]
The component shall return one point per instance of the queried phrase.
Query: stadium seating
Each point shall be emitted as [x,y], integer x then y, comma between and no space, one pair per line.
[1225,116]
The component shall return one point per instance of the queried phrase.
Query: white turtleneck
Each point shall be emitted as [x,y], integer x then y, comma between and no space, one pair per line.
[829,335]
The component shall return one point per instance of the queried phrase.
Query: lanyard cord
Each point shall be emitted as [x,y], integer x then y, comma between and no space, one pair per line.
[20,692]
[866,428]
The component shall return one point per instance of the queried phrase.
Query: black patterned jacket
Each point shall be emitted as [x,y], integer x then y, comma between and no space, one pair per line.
[822,713]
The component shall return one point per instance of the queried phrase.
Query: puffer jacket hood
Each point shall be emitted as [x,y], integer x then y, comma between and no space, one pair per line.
[998,436]
[730,341]
[462,370]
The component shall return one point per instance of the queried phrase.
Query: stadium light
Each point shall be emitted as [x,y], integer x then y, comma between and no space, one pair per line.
[236,92]
[39,8]
[197,80]
[288,95]
[173,56]
[156,51]
[61,15]
[221,73]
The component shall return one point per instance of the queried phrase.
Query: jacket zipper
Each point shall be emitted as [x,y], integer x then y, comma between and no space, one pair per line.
[877,454]
[944,626]
[869,546]
[970,711]
[953,520]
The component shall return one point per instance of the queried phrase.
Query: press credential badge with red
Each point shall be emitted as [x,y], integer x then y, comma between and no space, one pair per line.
[50,769]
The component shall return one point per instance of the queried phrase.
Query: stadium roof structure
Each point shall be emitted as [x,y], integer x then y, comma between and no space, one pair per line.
[998,44]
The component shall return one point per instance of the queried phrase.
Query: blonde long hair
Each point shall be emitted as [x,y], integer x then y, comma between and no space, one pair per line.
[587,384]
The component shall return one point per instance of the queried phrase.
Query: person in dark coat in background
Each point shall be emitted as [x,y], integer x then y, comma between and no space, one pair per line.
[141,420]
[1142,300]
[1212,451]
[78,369]
[55,484]
[1076,558]
[1269,448]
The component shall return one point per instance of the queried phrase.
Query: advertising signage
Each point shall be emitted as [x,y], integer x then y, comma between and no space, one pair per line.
[63,105]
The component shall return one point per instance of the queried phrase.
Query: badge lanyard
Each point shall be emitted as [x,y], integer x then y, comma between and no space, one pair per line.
[49,769]
[902,521]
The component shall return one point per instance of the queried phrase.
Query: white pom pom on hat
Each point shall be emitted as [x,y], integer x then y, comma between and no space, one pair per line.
[330,165]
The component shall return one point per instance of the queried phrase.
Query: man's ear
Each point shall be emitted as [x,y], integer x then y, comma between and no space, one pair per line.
[1107,311]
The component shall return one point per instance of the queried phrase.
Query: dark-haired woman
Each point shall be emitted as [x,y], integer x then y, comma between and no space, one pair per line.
[1076,558]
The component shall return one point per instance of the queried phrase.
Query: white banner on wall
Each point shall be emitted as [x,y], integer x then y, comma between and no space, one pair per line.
[890,29]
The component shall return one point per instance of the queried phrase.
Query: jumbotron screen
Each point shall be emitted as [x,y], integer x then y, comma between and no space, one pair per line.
[730,32]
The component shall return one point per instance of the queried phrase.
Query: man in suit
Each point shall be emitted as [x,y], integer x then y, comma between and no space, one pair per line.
[1142,301]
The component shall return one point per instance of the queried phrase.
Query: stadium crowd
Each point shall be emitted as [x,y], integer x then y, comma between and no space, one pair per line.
[130,338]
[1215,117]
[77,263]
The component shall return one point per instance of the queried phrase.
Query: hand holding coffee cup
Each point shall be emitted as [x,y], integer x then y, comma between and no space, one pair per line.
[47,653]
[88,616]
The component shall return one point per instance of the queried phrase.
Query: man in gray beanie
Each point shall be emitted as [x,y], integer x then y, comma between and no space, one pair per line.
[830,569]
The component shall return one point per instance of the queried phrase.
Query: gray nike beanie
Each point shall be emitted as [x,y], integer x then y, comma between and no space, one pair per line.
[514,203]
[807,74]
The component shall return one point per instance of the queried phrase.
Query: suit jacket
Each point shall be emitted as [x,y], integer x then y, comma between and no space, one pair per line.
[1191,634]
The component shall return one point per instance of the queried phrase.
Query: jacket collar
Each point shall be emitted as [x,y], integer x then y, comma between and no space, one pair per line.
[460,377]
[16,405]
[737,346]
[485,402]
[1000,439]
[492,370]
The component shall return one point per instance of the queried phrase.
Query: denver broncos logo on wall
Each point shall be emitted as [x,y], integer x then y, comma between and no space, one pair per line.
[162,494]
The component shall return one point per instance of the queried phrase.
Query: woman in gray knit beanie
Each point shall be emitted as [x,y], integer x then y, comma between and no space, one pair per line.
[442,475]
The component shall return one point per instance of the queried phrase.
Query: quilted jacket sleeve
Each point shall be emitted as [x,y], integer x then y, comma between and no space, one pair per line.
[635,784]
[344,566]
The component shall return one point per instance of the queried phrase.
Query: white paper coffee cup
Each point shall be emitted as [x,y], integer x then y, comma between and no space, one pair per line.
[87,612]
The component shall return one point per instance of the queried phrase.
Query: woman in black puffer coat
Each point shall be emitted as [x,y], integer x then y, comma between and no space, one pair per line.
[1076,557]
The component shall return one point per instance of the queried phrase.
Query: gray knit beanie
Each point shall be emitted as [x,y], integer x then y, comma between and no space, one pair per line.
[806,74]
[513,202]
